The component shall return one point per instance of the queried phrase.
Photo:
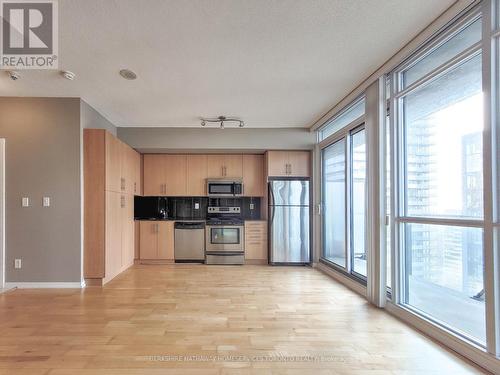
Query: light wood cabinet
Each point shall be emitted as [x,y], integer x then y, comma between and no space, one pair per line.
[154,175]
[109,177]
[127,230]
[175,175]
[197,175]
[230,166]
[253,175]
[186,175]
[165,175]
[288,163]
[234,166]
[166,240]
[114,153]
[156,240]
[113,253]
[256,241]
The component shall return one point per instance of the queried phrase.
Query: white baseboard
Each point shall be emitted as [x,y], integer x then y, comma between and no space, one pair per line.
[44,285]
[472,352]
[351,284]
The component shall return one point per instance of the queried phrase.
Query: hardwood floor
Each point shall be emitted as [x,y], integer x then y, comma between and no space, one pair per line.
[196,319]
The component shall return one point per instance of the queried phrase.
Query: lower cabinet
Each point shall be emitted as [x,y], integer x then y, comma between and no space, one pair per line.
[156,240]
[256,242]
[119,234]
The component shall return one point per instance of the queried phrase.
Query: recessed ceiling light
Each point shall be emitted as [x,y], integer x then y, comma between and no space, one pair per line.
[68,75]
[128,74]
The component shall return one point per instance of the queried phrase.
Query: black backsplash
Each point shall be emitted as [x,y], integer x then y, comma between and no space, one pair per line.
[183,208]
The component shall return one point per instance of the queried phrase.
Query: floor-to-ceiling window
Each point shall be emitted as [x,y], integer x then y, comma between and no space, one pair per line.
[439,119]
[343,171]
[358,202]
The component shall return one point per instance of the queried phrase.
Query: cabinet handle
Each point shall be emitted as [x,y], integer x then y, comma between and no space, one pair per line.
[122,184]
[122,201]
[135,187]
[289,169]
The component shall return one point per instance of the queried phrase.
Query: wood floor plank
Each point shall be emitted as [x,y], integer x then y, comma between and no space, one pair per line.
[192,319]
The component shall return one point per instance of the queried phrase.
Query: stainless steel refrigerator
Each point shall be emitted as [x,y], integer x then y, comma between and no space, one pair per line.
[289,221]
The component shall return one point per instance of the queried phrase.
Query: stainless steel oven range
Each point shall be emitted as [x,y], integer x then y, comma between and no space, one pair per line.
[225,236]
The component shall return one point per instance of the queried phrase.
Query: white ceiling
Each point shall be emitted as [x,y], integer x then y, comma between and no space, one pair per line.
[274,63]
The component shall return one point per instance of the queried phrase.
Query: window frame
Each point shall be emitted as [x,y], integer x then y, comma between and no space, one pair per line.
[398,190]
[342,134]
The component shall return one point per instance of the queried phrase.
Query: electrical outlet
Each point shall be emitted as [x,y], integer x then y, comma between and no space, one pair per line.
[25,202]
[17,263]
[46,202]
[252,206]
[196,206]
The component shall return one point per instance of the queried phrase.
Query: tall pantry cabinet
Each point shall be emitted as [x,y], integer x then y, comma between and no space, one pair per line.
[111,179]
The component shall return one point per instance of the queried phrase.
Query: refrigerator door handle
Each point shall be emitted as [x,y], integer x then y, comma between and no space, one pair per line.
[271,195]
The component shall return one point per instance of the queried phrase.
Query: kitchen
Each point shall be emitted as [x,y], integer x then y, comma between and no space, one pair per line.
[215,208]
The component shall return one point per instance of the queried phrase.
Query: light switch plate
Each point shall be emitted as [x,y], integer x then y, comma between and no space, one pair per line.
[46,201]
[25,202]
[17,263]
[196,206]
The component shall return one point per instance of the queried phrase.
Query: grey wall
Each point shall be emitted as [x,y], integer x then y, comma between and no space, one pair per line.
[42,159]
[90,118]
[206,140]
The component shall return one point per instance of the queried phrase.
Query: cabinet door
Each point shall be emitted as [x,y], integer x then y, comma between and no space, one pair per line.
[128,173]
[148,242]
[176,175]
[137,180]
[300,163]
[233,166]
[128,231]
[166,240]
[196,175]
[113,252]
[215,166]
[253,175]
[277,162]
[256,240]
[154,175]
[113,164]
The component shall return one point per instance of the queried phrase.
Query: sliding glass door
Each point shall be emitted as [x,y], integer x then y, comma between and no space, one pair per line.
[344,202]
[334,194]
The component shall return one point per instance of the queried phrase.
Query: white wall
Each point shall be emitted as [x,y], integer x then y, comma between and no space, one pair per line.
[212,140]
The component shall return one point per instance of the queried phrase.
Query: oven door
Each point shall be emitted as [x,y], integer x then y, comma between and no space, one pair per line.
[225,238]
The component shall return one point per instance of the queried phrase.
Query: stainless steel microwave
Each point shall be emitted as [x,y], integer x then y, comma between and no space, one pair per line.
[224,188]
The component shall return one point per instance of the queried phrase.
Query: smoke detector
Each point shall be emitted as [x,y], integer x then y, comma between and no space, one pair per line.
[68,75]
[128,74]
[14,75]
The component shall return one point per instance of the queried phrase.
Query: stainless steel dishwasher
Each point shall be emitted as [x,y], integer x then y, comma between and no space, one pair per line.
[189,241]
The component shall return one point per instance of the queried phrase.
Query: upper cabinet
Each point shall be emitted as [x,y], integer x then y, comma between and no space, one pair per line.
[197,173]
[176,175]
[221,166]
[289,163]
[186,175]
[154,175]
[253,175]
[165,175]
[123,168]
[114,152]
